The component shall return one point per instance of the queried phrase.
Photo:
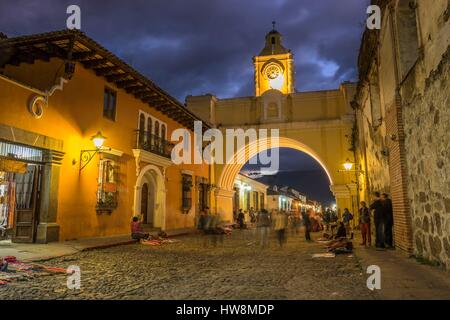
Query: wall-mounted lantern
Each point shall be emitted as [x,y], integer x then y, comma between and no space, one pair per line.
[348,167]
[87,155]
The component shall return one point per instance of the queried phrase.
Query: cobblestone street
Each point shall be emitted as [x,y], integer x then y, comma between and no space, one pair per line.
[238,269]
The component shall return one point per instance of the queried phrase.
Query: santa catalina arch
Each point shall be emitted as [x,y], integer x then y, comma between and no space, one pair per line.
[319,123]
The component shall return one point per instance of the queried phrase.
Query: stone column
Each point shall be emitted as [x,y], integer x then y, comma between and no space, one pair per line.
[352,187]
[224,200]
[48,229]
[343,197]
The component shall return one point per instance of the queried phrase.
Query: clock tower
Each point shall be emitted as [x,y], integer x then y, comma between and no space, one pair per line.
[274,66]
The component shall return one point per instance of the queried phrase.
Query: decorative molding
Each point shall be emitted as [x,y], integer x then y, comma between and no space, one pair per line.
[224,193]
[112,151]
[187,172]
[340,191]
[151,158]
[58,86]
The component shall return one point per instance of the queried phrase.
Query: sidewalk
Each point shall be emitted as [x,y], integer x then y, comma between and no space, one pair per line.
[28,252]
[404,278]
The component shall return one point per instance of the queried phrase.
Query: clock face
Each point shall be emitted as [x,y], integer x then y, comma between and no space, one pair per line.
[273,72]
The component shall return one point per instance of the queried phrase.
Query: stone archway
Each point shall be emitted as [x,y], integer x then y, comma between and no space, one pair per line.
[230,171]
[151,176]
[227,173]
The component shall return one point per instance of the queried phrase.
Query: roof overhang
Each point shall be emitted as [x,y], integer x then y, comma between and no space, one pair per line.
[75,46]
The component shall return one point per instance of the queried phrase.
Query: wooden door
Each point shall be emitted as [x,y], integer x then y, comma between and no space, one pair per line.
[144,203]
[27,196]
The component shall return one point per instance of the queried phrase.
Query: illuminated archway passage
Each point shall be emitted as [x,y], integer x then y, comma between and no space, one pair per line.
[230,171]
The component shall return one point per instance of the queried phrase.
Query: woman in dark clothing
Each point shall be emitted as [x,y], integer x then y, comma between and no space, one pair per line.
[341,232]
[307,224]
[241,219]
[364,224]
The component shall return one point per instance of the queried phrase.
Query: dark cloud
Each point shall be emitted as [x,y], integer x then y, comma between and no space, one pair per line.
[206,46]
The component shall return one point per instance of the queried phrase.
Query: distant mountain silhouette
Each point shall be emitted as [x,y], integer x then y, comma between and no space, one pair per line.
[314,184]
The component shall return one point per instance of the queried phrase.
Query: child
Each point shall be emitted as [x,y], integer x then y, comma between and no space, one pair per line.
[136,230]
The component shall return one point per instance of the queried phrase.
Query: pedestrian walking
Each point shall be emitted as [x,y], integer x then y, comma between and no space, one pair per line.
[280,227]
[364,224]
[347,218]
[205,223]
[377,207]
[252,215]
[296,222]
[263,225]
[388,215]
[327,219]
[307,225]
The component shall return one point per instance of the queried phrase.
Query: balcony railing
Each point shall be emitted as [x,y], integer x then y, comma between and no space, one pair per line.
[154,144]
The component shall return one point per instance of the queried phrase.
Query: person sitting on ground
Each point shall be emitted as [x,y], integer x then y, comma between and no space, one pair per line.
[341,232]
[136,230]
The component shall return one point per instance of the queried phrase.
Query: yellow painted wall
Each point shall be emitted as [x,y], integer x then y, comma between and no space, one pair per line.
[74,115]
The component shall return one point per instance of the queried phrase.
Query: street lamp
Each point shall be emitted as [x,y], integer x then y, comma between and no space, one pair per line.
[87,155]
[98,140]
[351,167]
[348,165]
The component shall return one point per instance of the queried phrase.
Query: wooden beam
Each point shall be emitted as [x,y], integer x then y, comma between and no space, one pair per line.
[144,90]
[117,77]
[126,83]
[94,63]
[133,89]
[144,95]
[56,50]
[106,71]
[83,55]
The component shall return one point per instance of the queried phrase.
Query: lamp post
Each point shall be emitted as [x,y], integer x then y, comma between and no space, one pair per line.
[352,167]
[87,155]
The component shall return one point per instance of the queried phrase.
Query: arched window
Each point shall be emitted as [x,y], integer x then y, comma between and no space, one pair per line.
[157,129]
[163,132]
[163,138]
[149,131]
[141,130]
[157,134]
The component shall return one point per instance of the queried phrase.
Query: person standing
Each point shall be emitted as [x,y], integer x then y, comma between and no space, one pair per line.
[347,217]
[241,219]
[388,220]
[364,224]
[307,225]
[377,207]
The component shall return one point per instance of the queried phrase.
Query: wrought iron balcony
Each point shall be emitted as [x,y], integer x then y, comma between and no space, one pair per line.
[154,144]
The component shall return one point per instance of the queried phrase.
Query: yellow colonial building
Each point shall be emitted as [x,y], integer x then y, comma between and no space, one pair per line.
[61,95]
[248,194]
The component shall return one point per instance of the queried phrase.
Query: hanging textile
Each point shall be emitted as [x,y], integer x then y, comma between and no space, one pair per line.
[24,188]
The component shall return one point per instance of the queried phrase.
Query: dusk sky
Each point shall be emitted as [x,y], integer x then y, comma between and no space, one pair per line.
[206,46]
